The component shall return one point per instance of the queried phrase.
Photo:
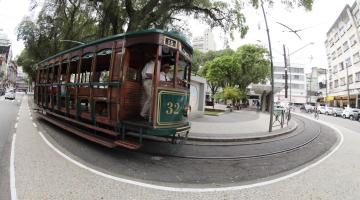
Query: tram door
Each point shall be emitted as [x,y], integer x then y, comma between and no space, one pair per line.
[132,89]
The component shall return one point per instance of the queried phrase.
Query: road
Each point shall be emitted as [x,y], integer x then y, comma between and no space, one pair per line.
[8,110]
[51,164]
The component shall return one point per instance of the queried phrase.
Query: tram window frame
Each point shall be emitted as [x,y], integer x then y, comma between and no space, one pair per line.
[73,70]
[183,80]
[102,67]
[85,73]
[168,56]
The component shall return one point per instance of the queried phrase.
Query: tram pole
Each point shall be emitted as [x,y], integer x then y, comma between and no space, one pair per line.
[272,70]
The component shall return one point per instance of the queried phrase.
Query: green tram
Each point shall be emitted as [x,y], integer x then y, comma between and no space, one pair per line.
[96,91]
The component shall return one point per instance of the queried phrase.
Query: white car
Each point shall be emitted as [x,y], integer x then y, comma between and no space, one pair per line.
[10,94]
[321,109]
[349,113]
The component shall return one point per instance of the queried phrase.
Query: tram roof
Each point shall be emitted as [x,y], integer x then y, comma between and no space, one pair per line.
[176,35]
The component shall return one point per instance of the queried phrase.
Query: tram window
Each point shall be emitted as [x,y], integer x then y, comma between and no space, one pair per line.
[55,74]
[102,67]
[101,108]
[73,71]
[139,56]
[183,72]
[85,69]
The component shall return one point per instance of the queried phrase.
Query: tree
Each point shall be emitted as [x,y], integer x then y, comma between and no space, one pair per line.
[200,58]
[253,64]
[230,93]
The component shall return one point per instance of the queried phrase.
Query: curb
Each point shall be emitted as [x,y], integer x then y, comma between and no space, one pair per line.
[264,135]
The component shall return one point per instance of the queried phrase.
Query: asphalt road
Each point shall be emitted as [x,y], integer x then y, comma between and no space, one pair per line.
[8,114]
[254,162]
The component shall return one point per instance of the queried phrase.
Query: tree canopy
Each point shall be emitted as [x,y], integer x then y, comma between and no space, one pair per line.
[85,20]
[249,64]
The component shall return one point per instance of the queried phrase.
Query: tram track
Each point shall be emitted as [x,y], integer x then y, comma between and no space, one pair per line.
[315,135]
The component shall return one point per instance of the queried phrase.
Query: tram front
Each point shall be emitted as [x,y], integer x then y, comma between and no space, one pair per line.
[172,91]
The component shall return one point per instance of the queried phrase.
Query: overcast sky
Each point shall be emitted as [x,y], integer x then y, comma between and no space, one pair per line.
[315,24]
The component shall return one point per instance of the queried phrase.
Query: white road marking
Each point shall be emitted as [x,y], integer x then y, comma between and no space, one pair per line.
[12,170]
[31,118]
[34,125]
[17,118]
[16,125]
[175,189]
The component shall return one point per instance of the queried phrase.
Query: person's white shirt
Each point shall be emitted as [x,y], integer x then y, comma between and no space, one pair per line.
[148,69]
[165,76]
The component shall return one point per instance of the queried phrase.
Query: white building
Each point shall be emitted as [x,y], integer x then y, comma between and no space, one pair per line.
[342,48]
[296,84]
[204,43]
[5,58]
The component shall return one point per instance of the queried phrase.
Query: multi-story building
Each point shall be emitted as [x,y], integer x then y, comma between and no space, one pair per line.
[316,85]
[205,43]
[5,57]
[296,84]
[343,55]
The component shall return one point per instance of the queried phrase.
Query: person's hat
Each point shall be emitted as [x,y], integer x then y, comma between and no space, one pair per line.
[166,65]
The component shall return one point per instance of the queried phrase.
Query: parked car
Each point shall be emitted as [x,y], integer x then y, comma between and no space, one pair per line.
[309,108]
[349,113]
[10,94]
[329,110]
[321,109]
[337,111]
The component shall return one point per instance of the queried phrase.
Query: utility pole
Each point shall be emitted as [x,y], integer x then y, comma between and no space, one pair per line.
[286,74]
[272,70]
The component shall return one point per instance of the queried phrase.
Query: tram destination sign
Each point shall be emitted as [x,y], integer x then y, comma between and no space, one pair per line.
[170,42]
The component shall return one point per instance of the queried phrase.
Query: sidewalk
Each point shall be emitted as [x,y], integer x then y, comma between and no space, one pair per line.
[237,125]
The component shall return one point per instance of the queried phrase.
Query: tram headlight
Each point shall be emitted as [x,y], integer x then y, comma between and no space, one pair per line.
[187,111]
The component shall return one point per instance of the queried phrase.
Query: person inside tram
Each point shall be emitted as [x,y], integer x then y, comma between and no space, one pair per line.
[165,74]
[147,74]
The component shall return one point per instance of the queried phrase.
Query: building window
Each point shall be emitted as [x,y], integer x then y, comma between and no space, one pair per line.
[346,46]
[357,17]
[356,57]
[353,40]
[350,79]
[331,85]
[341,31]
[336,37]
[339,51]
[335,69]
[348,62]
[357,77]
[342,81]
[336,83]
[333,55]
[341,66]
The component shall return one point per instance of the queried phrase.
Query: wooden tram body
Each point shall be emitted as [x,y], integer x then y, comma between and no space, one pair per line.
[95,90]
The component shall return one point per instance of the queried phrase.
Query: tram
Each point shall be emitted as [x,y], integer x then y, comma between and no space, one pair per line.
[96,90]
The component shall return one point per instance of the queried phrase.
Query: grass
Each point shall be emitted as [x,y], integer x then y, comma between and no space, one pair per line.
[213,112]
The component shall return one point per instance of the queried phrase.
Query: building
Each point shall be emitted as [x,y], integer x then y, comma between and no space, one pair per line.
[296,84]
[21,80]
[316,85]
[342,49]
[5,60]
[205,43]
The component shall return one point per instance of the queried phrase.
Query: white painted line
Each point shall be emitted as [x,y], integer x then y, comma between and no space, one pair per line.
[17,118]
[34,125]
[31,118]
[175,189]
[12,170]
[16,125]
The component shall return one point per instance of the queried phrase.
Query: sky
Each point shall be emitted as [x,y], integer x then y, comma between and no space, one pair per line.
[315,25]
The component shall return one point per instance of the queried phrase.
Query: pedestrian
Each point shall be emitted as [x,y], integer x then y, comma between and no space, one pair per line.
[147,75]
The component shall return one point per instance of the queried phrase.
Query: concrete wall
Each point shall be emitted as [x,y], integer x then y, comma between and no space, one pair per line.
[197,96]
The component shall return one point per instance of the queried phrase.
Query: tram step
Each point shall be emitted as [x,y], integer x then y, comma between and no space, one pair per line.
[127,144]
[94,138]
